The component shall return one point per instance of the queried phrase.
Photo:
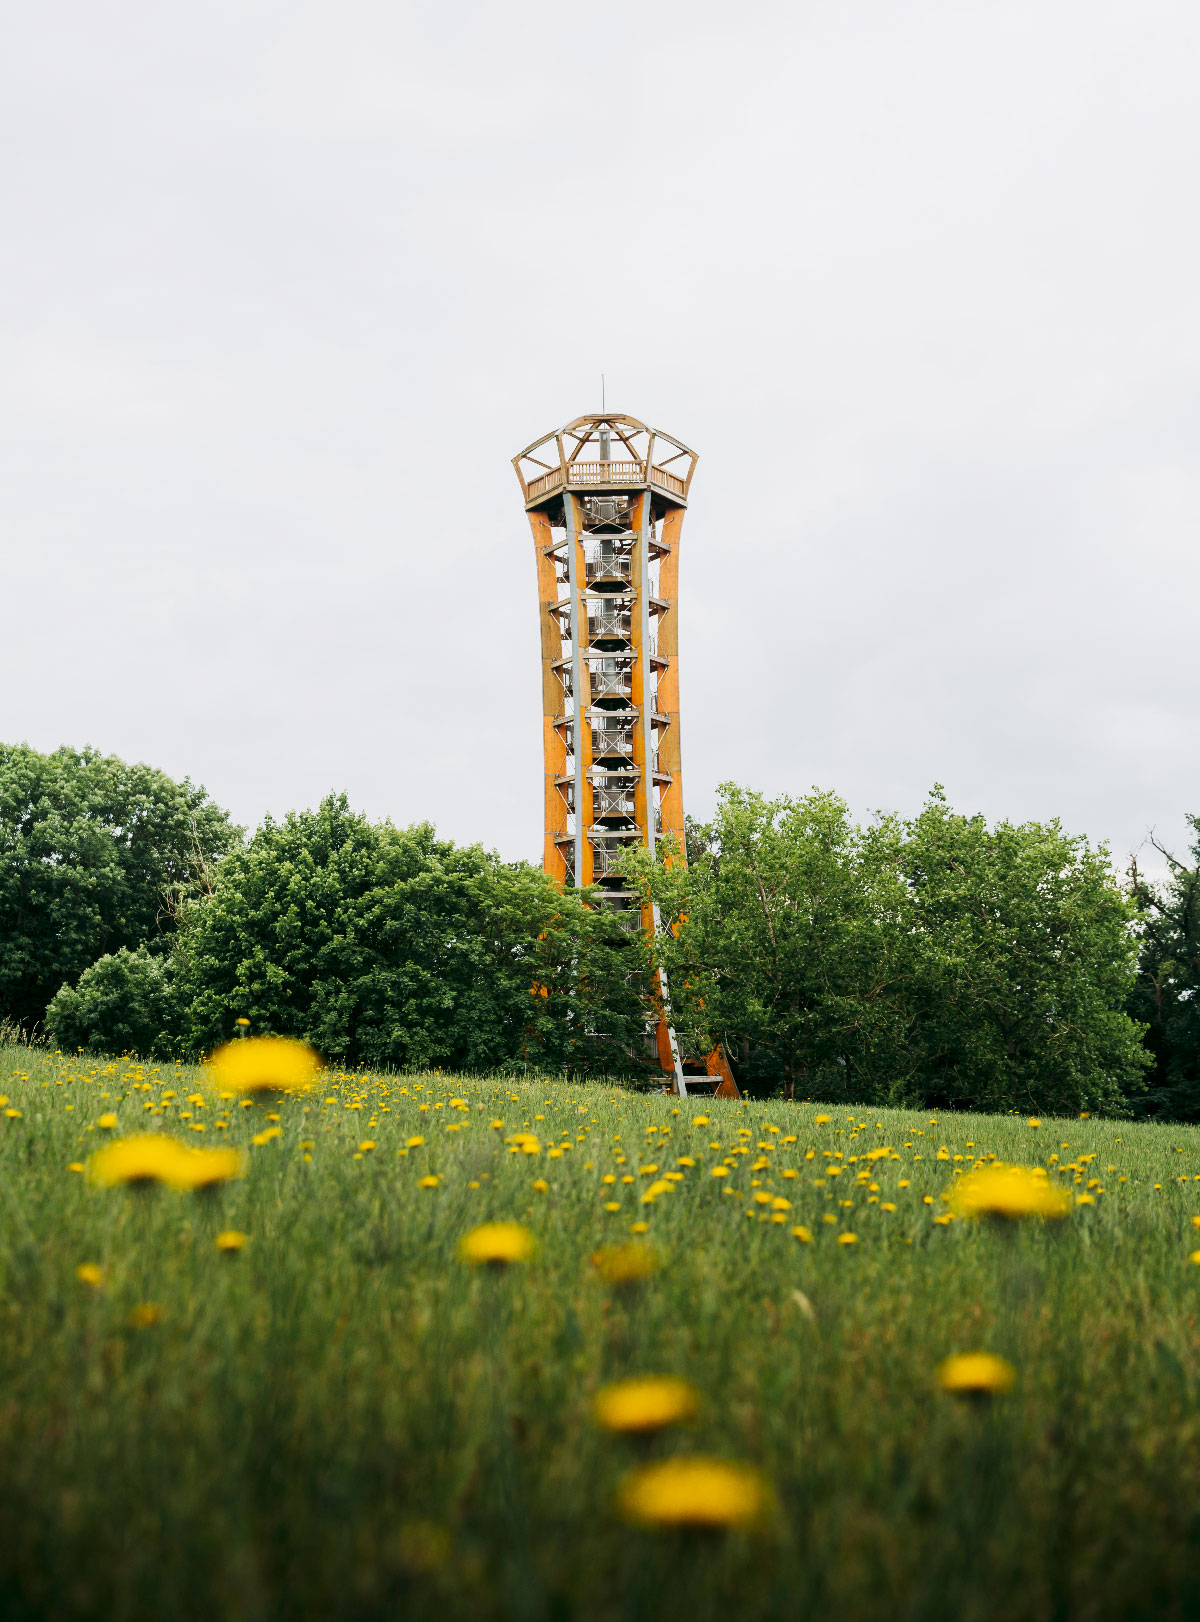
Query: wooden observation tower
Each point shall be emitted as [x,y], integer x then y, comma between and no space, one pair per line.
[605,498]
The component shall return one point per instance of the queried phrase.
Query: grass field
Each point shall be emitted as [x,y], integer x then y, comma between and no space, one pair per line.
[342,1418]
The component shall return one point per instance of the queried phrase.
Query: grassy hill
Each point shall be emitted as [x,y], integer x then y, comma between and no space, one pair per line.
[342,1417]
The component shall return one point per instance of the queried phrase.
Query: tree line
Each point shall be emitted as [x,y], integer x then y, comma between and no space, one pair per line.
[936,960]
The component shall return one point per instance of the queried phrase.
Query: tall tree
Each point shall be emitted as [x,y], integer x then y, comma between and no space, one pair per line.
[1167,994]
[934,961]
[388,946]
[95,855]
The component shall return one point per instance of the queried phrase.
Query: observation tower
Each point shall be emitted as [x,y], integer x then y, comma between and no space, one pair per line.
[605,497]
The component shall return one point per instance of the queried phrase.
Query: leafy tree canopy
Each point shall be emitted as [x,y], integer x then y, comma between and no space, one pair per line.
[95,855]
[387,946]
[1167,994]
[934,961]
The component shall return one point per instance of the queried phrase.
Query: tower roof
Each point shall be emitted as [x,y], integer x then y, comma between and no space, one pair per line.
[606,450]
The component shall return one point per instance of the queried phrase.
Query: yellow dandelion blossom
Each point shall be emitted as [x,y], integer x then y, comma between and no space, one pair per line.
[1009,1192]
[201,1169]
[109,1122]
[719,1171]
[541,1186]
[265,1064]
[76,1165]
[612,1205]
[146,1157]
[625,1264]
[496,1244]
[145,1315]
[1195,1257]
[847,1238]
[267,1135]
[803,1234]
[230,1242]
[976,1374]
[90,1273]
[648,1404]
[695,1492]
[366,1146]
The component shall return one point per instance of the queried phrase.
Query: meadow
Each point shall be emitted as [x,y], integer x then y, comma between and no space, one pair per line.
[291,1396]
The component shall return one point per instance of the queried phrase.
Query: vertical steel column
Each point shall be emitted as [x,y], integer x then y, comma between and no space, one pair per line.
[578,621]
[647,725]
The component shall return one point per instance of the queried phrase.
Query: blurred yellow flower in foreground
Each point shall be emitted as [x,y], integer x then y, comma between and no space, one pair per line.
[648,1404]
[496,1244]
[625,1264]
[1009,1191]
[147,1157]
[201,1169]
[89,1273]
[231,1241]
[976,1374]
[265,1064]
[694,1492]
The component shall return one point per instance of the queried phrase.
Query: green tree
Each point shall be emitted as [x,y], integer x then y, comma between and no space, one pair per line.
[935,961]
[1167,993]
[95,855]
[1027,963]
[388,946]
[783,939]
[124,1003]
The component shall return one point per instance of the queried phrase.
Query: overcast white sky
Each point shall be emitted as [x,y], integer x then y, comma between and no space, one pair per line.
[286,285]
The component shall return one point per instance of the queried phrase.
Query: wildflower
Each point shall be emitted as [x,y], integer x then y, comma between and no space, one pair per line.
[89,1273]
[639,1227]
[847,1238]
[496,1244]
[145,1315]
[720,1171]
[366,1145]
[541,1186]
[780,1204]
[976,1374]
[203,1169]
[244,1023]
[612,1205]
[695,1492]
[1195,1257]
[428,1182]
[821,1120]
[266,1136]
[803,1234]
[1033,1121]
[647,1171]
[230,1242]
[1009,1191]
[414,1143]
[265,1064]
[625,1264]
[147,1157]
[645,1405]
[75,1165]
[108,1122]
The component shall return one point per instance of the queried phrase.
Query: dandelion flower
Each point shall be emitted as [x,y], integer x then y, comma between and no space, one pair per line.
[428,1182]
[648,1404]
[109,1122]
[803,1234]
[146,1157]
[625,1264]
[145,1315]
[202,1169]
[694,1492]
[719,1171]
[265,1064]
[1009,1192]
[612,1205]
[230,1242]
[541,1186]
[89,1273]
[267,1135]
[847,1238]
[976,1374]
[1195,1257]
[496,1244]
[76,1165]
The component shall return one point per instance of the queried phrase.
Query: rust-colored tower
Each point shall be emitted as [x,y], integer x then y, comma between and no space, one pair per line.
[606,497]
